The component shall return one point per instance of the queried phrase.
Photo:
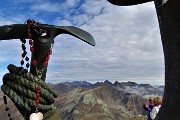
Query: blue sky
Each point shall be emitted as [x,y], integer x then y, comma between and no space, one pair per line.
[128,40]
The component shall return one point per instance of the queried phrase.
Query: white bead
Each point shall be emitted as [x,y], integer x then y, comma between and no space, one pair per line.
[36,116]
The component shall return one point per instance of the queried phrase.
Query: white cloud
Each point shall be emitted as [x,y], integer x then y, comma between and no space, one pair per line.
[128,47]
[71,3]
[93,7]
[128,42]
[46,6]
[49,6]
[5,21]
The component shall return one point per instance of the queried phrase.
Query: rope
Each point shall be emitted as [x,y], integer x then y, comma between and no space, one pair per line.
[20,87]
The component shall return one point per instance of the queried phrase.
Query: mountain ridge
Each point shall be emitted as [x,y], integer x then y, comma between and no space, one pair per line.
[102,100]
[145,90]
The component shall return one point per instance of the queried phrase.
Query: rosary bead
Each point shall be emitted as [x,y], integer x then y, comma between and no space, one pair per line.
[9,115]
[10,118]
[34,62]
[37,96]
[23,55]
[53,41]
[27,59]
[23,46]
[27,65]
[31,49]
[37,102]
[30,42]
[50,52]
[48,57]
[5,99]
[22,62]
[45,63]
[7,109]
[23,41]
[38,89]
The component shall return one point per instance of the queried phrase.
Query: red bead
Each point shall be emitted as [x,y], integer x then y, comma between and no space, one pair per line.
[29,36]
[52,41]
[30,24]
[45,63]
[37,96]
[48,57]
[31,49]
[37,102]
[34,62]
[38,89]
[31,42]
[50,52]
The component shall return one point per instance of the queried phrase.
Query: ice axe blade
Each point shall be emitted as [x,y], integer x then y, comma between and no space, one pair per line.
[79,33]
[17,31]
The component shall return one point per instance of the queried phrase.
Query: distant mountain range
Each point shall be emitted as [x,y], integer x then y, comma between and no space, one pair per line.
[81,100]
[145,90]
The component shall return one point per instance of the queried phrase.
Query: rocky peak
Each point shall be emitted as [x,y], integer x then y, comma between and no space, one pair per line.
[122,84]
[62,88]
[145,86]
[77,83]
[103,102]
[107,82]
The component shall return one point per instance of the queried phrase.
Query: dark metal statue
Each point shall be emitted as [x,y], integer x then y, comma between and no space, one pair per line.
[24,88]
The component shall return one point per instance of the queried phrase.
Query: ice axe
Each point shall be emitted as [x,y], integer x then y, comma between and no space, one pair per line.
[16,83]
[42,43]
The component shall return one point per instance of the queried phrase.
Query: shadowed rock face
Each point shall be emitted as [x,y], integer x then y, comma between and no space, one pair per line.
[62,88]
[103,102]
